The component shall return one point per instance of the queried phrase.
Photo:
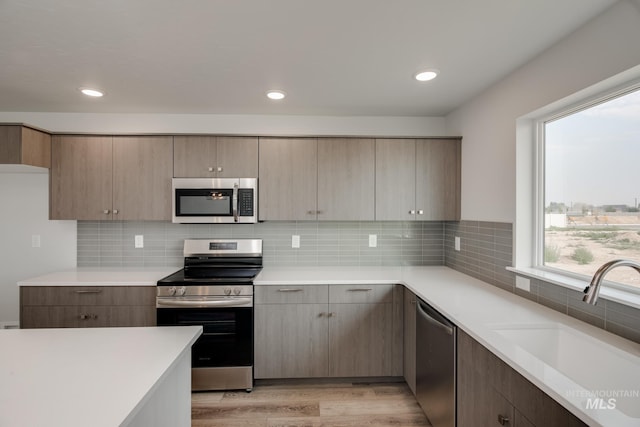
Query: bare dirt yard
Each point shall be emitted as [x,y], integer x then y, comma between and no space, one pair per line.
[587,243]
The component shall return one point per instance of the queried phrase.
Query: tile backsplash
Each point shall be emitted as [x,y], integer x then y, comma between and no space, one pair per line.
[111,243]
[486,250]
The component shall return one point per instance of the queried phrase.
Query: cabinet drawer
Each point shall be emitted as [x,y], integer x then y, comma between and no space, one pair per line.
[73,316]
[88,295]
[291,294]
[360,294]
[89,316]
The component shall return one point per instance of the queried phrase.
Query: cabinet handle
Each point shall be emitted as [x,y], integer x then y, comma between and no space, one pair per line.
[210,169]
[290,290]
[331,314]
[360,290]
[320,212]
[106,211]
[412,212]
[115,211]
[420,212]
[87,316]
[503,420]
[219,168]
[87,291]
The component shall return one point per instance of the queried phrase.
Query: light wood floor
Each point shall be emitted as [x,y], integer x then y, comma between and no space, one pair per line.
[309,405]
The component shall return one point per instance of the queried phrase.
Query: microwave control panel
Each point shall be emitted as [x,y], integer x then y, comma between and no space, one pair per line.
[245,202]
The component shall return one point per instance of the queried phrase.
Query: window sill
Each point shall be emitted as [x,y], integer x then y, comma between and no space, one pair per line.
[613,294]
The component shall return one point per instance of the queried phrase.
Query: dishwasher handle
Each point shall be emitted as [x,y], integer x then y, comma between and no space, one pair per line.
[432,316]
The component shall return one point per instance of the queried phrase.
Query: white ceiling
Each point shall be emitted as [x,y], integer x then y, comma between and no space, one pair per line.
[331,57]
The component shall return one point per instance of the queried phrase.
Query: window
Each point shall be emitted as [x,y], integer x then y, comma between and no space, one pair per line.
[591,189]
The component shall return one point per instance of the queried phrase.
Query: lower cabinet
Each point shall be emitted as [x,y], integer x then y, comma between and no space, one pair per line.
[491,393]
[328,331]
[86,307]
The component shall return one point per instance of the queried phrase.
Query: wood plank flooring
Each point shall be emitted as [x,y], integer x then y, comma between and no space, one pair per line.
[309,405]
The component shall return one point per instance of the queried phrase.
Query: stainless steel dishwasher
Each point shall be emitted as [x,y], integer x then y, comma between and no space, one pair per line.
[435,365]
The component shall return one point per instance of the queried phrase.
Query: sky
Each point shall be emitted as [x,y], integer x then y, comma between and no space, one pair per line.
[593,156]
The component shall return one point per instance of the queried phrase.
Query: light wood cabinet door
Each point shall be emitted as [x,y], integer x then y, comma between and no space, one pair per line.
[237,157]
[288,179]
[395,178]
[24,146]
[360,340]
[438,179]
[346,179]
[194,156]
[142,168]
[291,341]
[409,354]
[81,178]
[215,157]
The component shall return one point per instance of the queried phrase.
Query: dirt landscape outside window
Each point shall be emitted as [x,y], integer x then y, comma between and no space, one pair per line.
[592,188]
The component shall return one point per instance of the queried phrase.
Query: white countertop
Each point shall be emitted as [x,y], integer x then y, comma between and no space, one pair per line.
[84,377]
[476,307]
[103,276]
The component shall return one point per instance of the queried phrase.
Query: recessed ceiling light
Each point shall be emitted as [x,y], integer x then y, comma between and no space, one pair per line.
[91,92]
[276,94]
[426,75]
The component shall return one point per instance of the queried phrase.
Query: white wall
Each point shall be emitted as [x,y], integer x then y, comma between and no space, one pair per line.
[231,124]
[602,48]
[24,213]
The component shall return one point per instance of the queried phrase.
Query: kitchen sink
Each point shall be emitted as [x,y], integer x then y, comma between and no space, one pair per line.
[594,365]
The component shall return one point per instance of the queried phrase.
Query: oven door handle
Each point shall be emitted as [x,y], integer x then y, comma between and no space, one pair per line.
[204,303]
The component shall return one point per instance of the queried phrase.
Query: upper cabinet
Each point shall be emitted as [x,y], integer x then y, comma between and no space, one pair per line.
[21,145]
[438,179]
[317,179]
[313,179]
[142,177]
[288,180]
[346,179]
[417,179]
[104,178]
[215,157]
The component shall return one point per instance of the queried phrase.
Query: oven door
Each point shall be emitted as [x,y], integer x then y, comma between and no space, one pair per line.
[227,338]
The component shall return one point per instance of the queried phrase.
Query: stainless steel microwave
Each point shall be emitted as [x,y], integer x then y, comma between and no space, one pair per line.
[215,200]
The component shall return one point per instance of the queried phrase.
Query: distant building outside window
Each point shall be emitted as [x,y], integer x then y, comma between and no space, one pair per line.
[592,189]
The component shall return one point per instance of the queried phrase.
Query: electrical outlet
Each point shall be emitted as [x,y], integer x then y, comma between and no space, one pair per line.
[456,243]
[523,283]
[295,241]
[35,241]
[138,241]
[373,240]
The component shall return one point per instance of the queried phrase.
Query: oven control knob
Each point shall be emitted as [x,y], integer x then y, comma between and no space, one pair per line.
[227,291]
[182,290]
[172,290]
[237,291]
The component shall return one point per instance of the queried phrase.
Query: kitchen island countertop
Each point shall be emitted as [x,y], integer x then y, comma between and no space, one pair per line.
[94,377]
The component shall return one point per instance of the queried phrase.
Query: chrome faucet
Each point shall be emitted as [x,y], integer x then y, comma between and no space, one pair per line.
[593,289]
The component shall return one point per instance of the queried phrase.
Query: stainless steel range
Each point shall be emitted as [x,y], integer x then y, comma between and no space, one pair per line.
[215,290]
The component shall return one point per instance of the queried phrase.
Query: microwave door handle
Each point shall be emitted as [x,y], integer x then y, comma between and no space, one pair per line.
[235,203]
